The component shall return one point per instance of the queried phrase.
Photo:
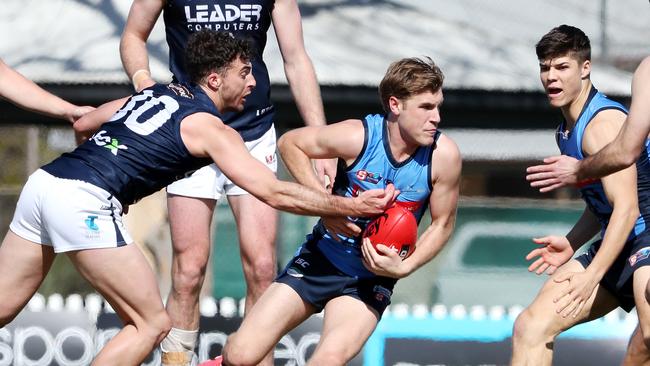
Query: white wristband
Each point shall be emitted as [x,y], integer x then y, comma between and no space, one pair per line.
[134,79]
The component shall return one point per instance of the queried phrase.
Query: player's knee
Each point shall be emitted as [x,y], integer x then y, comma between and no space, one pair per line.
[189,274]
[329,358]
[154,326]
[530,328]
[237,354]
[263,272]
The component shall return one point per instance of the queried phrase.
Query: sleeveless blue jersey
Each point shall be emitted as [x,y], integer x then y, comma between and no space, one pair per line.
[139,150]
[249,19]
[592,192]
[375,167]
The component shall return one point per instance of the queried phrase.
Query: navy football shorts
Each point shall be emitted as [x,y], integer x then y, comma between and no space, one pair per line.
[318,281]
[618,279]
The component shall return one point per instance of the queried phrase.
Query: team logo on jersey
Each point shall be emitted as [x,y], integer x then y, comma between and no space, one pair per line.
[641,254]
[364,175]
[180,90]
[564,135]
[108,142]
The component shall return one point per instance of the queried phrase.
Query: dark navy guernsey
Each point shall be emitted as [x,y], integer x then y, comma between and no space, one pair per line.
[375,167]
[139,150]
[570,143]
[249,19]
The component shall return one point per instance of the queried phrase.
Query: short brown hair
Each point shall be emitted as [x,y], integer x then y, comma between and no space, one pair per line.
[562,41]
[408,77]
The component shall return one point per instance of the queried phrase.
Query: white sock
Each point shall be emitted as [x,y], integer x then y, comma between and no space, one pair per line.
[180,340]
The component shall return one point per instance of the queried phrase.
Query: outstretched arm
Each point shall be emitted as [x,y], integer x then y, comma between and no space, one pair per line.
[446,167]
[27,95]
[133,44]
[630,141]
[622,152]
[339,140]
[300,73]
[205,135]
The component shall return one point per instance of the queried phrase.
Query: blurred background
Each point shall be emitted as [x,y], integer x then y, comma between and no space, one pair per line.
[494,109]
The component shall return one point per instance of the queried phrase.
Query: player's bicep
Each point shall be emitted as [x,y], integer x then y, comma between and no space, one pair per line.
[339,140]
[288,28]
[206,136]
[621,188]
[446,165]
[142,18]
[602,130]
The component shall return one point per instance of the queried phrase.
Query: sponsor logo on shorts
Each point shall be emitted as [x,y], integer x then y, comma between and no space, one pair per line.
[93,229]
[270,159]
[294,272]
[641,254]
[381,293]
[90,223]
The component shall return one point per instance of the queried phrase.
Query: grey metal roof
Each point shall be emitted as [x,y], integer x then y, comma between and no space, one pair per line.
[478,44]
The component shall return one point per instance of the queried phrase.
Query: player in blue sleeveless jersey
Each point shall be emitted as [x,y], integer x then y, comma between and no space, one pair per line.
[562,170]
[74,204]
[191,201]
[615,269]
[334,270]
[624,151]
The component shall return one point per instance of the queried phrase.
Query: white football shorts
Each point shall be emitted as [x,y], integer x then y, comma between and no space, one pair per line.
[68,215]
[209,182]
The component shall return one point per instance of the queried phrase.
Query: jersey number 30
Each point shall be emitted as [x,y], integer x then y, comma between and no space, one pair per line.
[141,103]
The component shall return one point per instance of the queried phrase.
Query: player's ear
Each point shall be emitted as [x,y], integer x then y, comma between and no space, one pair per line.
[395,105]
[214,81]
[586,69]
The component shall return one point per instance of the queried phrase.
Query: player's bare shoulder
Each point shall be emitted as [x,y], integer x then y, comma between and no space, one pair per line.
[199,130]
[446,161]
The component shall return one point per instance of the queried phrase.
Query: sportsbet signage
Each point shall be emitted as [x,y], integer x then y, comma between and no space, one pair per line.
[405,336]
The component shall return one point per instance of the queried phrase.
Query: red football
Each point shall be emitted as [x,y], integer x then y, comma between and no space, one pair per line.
[396,228]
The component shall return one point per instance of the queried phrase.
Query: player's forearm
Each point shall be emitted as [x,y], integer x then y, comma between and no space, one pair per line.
[620,225]
[90,122]
[298,163]
[429,244]
[617,155]
[584,230]
[26,94]
[135,58]
[298,199]
[305,89]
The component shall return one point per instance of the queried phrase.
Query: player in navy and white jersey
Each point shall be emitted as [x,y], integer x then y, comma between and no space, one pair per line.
[191,201]
[74,204]
[334,270]
[615,269]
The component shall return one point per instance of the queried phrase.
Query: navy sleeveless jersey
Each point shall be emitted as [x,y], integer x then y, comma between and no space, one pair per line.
[139,150]
[570,143]
[375,167]
[249,19]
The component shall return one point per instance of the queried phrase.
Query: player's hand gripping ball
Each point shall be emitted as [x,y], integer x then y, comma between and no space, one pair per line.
[396,228]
